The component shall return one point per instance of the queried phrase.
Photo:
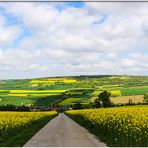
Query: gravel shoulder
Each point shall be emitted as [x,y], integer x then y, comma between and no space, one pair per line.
[63,132]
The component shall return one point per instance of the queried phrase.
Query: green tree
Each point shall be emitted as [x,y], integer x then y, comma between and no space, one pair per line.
[78,105]
[97,103]
[146,98]
[105,98]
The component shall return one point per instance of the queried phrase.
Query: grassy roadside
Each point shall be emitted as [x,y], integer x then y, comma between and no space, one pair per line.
[93,130]
[21,138]
[117,127]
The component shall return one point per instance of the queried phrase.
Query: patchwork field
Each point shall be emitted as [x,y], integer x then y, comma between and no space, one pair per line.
[71,90]
[63,93]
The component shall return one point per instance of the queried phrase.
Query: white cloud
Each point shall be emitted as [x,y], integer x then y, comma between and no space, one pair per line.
[112,56]
[129,62]
[7,33]
[77,40]
[36,16]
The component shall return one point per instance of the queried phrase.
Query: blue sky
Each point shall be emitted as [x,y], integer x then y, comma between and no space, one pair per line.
[73,38]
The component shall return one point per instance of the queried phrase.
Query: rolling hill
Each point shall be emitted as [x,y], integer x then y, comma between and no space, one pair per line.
[71,89]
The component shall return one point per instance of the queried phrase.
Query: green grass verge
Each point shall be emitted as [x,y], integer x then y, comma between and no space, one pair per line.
[22,137]
[90,127]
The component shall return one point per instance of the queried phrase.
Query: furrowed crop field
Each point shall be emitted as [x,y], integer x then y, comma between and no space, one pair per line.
[11,123]
[125,99]
[122,126]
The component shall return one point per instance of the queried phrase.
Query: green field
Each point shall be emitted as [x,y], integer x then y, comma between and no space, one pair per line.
[69,101]
[70,90]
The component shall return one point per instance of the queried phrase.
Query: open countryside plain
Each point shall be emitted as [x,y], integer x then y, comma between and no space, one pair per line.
[73,73]
[125,126]
[70,90]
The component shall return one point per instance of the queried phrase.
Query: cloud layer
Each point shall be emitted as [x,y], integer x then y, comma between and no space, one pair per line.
[47,39]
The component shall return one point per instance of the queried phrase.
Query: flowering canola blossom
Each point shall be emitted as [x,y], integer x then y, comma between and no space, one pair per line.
[125,126]
[13,122]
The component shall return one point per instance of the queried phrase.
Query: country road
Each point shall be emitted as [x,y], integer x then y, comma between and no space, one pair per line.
[63,132]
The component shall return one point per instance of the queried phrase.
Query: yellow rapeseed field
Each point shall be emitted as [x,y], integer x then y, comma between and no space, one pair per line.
[13,122]
[42,94]
[54,81]
[18,95]
[26,95]
[70,81]
[124,126]
[35,91]
[43,81]
[113,92]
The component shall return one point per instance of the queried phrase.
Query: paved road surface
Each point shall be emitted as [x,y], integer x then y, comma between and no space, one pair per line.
[63,132]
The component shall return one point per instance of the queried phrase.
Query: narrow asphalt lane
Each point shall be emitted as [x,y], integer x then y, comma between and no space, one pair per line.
[63,132]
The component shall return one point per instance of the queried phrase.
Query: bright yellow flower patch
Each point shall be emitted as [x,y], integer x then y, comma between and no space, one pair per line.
[54,81]
[13,121]
[128,126]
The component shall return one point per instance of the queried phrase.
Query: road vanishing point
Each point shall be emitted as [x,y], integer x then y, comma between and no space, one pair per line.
[62,131]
